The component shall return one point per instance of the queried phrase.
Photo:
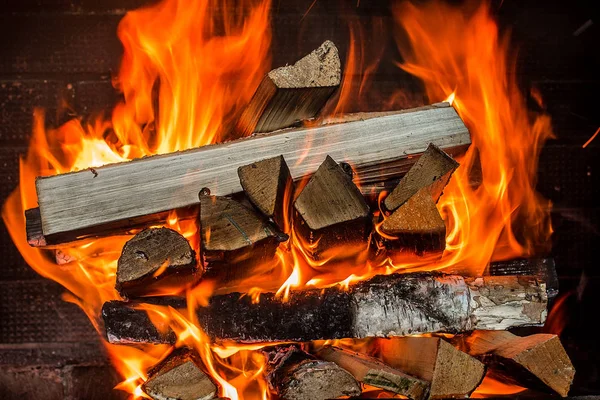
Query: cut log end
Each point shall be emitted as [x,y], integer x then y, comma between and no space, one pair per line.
[33,228]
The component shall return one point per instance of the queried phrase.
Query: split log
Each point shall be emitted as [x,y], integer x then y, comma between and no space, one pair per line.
[234,238]
[536,361]
[330,211]
[296,375]
[33,228]
[450,372]
[433,170]
[116,196]
[390,305]
[268,184]
[372,372]
[180,376]
[293,93]
[153,260]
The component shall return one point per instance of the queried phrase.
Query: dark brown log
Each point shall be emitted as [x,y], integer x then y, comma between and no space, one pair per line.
[450,372]
[535,361]
[155,260]
[296,375]
[373,372]
[181,376]
[330,211]
[268,185]
[391,305]
[293,93]
[433,170]
[234,238]
[33,228]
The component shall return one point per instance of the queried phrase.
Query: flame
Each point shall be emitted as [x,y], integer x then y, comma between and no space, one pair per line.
[492,385]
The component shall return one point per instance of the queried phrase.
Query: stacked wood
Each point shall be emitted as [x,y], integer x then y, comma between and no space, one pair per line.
[296,375]
[535,361]
[450,372]
[181,376]
[115,197]
[390,305]
[372,372]
[155,260]
[268,184]
[331,212]
[293,93]
[234,238]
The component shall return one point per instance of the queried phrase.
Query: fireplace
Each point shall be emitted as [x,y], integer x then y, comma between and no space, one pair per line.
[61,55]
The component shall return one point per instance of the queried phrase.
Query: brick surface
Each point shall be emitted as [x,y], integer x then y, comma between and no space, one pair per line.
[31,384]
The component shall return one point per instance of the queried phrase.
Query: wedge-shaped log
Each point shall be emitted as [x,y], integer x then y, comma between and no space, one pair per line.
[155,259]
[268,184]
[296,375]
[433,170]
[293,93]
[83,204]
[535,361]
[234,238]
[330,211]
[180,376]
[372,372]
[391,305]
[450,372]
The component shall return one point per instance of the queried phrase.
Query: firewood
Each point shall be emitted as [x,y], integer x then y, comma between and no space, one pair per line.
[33,228]
[433,170]
[293,93]
[83,203]
[268,185]
[385,305]
[296,375]
[372,372]
[331,211]
[535,361]
[234,238]
[180,376]
[154,259]
[451,373]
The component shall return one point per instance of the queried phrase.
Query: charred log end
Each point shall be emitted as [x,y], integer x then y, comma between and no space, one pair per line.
[33,228]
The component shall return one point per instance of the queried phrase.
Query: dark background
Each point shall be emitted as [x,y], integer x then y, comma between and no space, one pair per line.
[62,52]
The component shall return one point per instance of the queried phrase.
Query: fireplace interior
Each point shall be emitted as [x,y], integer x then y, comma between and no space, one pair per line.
[61,56]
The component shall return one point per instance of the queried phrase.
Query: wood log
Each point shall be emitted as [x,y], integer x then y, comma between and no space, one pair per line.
[82,203]
[181,376]
[33,228]
[330,211]
[296,375]
[536,361]
[450,372]
[155,260]
[293,93]
[372,372]
[234,239]
[433,170]
[385,305]
[268,184]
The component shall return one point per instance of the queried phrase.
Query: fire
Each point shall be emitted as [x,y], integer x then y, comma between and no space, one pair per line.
[188,69]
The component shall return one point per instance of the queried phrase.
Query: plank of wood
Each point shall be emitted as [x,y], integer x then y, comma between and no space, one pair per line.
[450,372]
[294,374]
[535,361]
[293,93]
[386,305]
[82,203]
[373,372]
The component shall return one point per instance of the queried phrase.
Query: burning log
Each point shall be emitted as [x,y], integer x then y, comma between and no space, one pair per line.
[535,361]
[85,203]
[373,372]
[296,375]
[331,211]
[155,258]
[390,305]
[268,185]
[293,93]
[180,376]
[450,372]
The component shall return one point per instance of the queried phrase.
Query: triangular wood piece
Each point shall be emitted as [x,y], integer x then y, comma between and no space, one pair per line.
[433,169]
[268,184]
